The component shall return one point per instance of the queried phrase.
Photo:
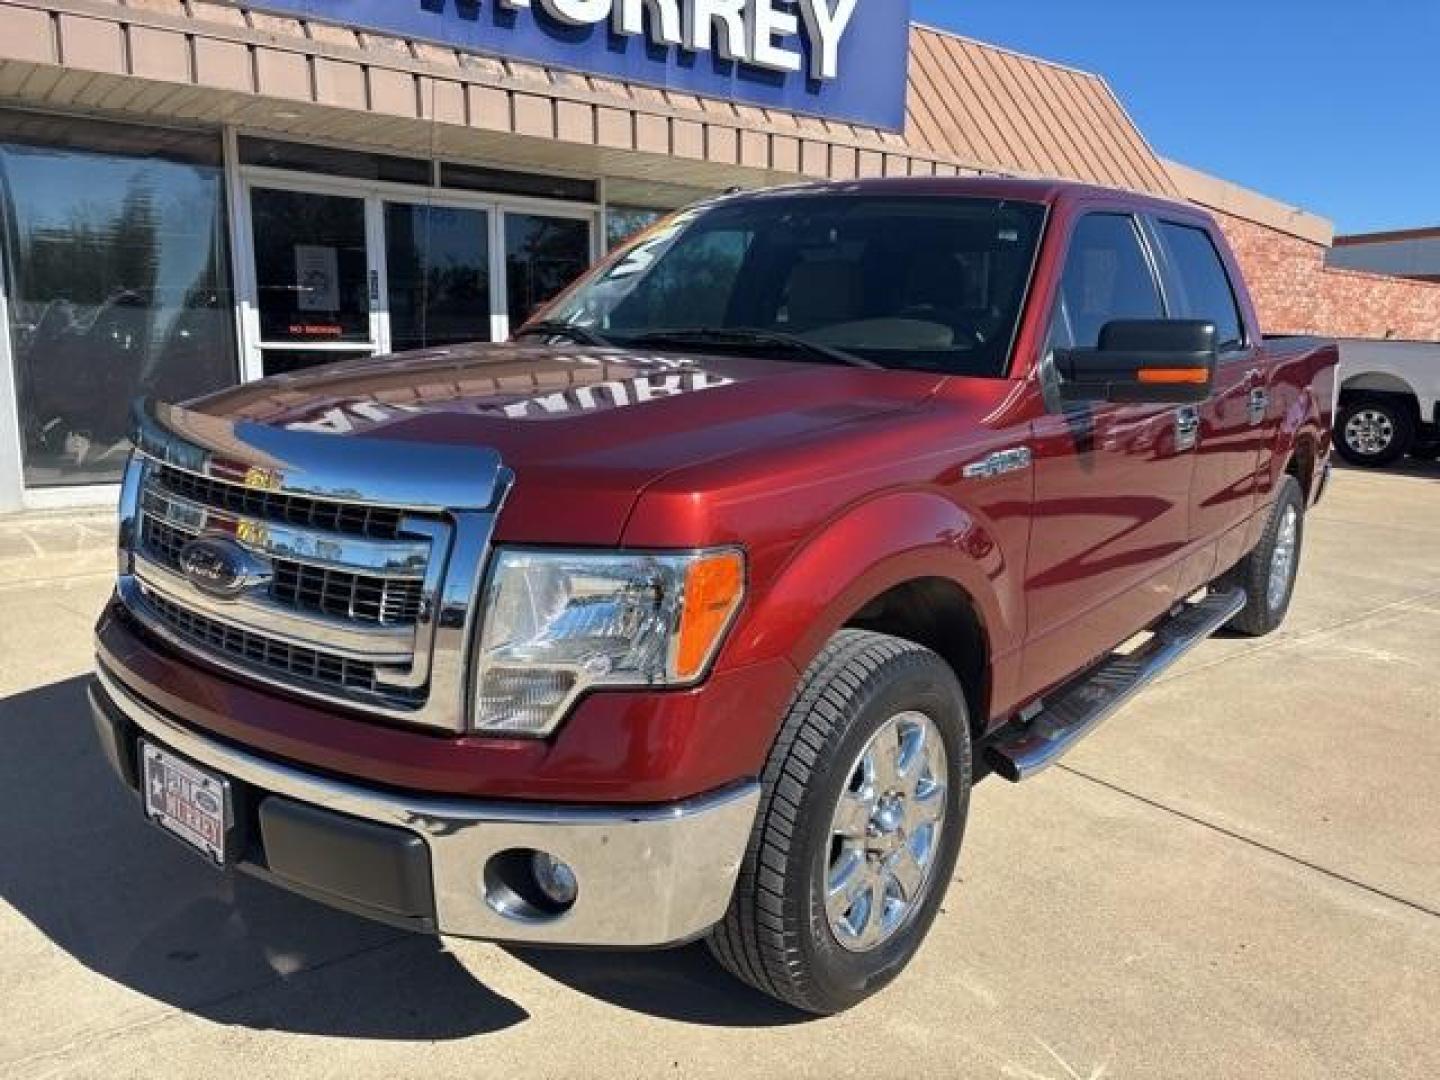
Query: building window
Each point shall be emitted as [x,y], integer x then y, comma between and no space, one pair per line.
[542,256]
[117,270]
[327,161]
[506,182]
[623,222]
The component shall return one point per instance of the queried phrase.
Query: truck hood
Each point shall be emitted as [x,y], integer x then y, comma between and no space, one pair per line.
[584,430]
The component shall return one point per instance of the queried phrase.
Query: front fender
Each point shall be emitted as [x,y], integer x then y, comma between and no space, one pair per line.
[868,550]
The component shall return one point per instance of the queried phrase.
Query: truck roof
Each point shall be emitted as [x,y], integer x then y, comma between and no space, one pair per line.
[1039,190]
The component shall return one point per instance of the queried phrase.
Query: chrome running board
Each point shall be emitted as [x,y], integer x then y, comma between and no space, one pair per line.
[1081,706]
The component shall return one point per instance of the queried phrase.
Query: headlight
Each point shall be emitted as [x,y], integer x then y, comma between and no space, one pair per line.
[558,624]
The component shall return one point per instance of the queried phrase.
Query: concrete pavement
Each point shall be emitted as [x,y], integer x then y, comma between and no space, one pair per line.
[1239,876]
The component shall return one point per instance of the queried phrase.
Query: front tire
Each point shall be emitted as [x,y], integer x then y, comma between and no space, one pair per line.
[865,796]
[1268,573]
[1373,432]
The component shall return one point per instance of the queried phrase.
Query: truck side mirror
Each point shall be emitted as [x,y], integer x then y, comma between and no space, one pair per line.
[1160,361]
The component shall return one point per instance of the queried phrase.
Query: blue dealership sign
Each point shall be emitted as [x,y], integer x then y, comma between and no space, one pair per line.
[839,59]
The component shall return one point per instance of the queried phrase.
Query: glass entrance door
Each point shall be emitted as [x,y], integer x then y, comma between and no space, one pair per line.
[543,254]
[343,270]
[316,286]
[437,269]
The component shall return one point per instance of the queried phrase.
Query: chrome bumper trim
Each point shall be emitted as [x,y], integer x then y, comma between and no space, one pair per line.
[647,876]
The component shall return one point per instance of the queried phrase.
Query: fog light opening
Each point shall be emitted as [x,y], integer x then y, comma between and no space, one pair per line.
[528,885]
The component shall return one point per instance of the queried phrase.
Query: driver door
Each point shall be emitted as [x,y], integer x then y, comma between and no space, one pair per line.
[1112,482]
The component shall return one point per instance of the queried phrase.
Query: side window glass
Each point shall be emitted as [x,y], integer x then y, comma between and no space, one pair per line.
[1107,277]
[1208,293]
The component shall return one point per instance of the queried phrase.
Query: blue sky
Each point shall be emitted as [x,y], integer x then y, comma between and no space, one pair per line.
[1334,107]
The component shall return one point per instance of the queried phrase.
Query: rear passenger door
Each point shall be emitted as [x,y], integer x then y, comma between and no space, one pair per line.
[1231,428]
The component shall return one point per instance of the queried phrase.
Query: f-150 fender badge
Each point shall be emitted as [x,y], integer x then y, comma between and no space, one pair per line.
[999,463]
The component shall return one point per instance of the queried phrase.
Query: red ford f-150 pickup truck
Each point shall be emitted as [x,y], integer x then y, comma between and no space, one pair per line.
[698,609]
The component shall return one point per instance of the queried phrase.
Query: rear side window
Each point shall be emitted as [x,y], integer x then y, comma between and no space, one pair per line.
[1107,277]
[1206,292]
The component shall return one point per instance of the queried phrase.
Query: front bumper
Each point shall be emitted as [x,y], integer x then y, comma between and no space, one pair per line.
[647,876]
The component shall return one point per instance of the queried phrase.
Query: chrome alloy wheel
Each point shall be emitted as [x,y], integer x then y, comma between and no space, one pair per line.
[1282,559]
[1369,432]
[885,834]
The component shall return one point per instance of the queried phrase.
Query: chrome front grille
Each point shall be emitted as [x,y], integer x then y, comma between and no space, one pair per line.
[360,559]
[385,601]
[163,541]
[313,580]
[293,662]
[376,522]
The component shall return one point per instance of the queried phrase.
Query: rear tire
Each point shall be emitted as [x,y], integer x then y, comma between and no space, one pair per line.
[1268,573]
[845,873]
[1374,431]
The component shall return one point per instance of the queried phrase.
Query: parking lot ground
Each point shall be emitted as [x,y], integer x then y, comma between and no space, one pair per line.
[1239,876]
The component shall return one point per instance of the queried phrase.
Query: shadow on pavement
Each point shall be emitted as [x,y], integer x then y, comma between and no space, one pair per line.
[1417,467]
[79,862]
[675,984]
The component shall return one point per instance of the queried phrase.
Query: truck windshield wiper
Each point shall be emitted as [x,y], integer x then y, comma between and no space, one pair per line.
[568,331]
[740,335]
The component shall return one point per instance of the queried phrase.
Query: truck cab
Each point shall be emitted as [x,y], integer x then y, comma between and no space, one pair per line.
[697,610]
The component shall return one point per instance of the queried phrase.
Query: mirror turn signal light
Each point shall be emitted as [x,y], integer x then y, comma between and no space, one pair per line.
[1174,376]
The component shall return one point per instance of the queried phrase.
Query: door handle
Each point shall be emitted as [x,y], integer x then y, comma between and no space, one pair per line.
[1187,427]
[1259,404]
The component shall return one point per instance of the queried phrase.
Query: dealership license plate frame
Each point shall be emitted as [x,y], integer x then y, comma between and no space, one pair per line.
[191,803]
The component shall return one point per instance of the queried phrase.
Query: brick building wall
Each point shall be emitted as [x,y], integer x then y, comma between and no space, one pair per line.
[1298,294]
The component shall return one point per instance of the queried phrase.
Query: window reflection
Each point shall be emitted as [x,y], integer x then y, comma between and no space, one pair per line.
[542,256]
[624,222]
[438,266]
[117,271]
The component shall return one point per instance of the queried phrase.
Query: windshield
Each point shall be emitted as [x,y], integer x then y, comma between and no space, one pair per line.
[908,282]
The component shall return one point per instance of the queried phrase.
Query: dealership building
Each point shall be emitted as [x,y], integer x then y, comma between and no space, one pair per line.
[196,193]
[1409,253]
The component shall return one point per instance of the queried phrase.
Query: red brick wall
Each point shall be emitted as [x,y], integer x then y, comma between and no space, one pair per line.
[1297,294]
[1360,305]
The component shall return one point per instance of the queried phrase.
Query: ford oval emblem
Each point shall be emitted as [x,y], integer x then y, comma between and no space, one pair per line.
[220,567]
[206,801]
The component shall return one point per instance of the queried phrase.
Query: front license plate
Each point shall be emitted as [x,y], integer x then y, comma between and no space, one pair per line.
[188,801]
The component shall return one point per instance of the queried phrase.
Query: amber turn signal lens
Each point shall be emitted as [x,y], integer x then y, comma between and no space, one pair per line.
[714,587]
[1175,376]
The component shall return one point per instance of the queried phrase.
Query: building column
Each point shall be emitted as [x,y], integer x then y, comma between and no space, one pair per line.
[12,475]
